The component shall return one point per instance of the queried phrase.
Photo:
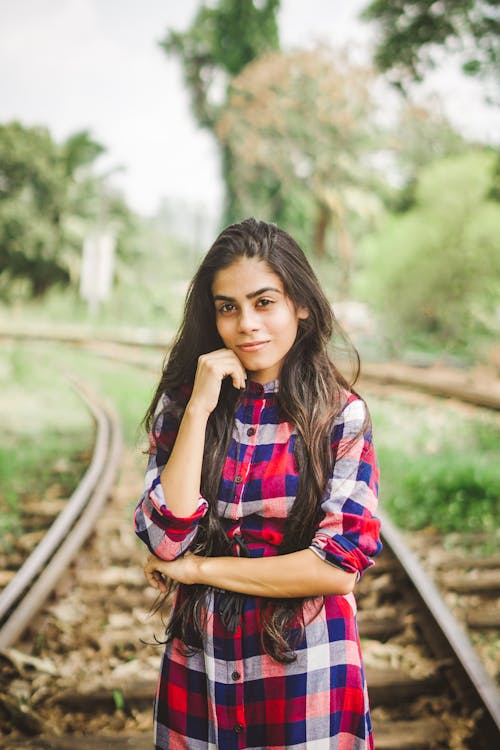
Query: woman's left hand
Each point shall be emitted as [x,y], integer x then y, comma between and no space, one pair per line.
[184,570]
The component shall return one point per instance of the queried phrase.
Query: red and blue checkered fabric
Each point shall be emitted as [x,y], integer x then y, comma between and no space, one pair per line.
[232,694]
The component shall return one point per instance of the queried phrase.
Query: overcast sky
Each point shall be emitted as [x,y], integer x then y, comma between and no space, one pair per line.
[96,64]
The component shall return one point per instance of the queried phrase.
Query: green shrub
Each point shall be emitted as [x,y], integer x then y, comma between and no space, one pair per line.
[448,491]
[439,466]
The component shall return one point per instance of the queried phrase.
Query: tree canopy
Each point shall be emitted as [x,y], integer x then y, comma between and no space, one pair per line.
[223,38]
[411,31]
[300,126]
[434,271]
[49,196]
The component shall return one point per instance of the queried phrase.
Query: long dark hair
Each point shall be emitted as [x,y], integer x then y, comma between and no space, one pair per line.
[312,392]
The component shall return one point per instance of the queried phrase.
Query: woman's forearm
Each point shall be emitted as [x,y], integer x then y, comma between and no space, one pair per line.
[297,574]
[181,477]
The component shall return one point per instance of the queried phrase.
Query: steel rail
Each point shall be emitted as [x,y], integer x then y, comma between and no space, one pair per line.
[62,524]
[70,334]
[39,574]
[433,384]
[480,683]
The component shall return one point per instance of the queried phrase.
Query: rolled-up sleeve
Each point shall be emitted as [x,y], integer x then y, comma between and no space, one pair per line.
[165,535]
[348,535]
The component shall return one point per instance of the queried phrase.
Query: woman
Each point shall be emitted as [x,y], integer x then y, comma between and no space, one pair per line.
[258,510]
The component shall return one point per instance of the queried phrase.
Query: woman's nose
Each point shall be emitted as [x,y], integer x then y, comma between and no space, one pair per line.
[248,320]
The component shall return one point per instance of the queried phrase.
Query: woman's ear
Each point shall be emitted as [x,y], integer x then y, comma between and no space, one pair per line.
[302,313]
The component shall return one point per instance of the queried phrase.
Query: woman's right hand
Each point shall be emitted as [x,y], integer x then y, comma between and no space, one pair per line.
[211,371]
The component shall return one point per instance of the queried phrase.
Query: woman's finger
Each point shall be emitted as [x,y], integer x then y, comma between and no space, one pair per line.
[238,376]
[153,576]
[212,368]
[234,369]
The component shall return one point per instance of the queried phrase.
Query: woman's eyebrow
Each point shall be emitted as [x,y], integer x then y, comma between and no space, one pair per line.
[222,297]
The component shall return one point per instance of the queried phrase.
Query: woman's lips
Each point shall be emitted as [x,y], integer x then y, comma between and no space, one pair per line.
[252,347]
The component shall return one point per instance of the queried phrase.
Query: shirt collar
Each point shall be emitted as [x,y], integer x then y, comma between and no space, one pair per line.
[262,389]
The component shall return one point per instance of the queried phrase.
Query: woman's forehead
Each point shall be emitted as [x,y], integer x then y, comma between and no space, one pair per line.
[245,276]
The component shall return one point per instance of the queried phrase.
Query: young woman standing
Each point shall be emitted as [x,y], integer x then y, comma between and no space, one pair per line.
[258,510]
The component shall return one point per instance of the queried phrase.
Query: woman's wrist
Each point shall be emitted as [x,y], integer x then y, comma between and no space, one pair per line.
[202,571]
[196,411]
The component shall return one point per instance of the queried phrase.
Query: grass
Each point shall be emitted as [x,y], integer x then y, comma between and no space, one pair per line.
[128,388]
[47,430]
[439,467]
[46,434]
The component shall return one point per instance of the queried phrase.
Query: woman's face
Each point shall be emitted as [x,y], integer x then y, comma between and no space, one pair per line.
[254,317]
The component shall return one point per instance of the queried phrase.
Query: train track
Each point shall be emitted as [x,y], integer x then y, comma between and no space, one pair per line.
[422,696]
[428,688]
[37,577]
[453,672]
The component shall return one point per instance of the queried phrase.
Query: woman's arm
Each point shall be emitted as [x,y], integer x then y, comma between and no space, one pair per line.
[168,513]
[348,535]
[298,574]
[181,477]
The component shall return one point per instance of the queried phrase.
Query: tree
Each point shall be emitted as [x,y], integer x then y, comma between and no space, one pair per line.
[300,127]
[79,150]
[222,39]
[32,180]
[418,137]
[411,32]
[49,194]
[434,271]
[421,136]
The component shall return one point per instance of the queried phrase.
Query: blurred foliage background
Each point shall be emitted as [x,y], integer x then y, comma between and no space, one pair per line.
[398,212]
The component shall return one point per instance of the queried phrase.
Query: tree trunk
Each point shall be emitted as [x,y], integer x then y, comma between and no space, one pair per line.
[322,221]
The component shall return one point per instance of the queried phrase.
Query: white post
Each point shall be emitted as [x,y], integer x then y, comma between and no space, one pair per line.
[96,277]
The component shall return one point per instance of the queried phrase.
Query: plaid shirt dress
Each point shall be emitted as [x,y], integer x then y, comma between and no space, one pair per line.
[231,694]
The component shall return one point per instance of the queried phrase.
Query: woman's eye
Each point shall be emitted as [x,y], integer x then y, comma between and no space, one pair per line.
[226,307]
[265,302]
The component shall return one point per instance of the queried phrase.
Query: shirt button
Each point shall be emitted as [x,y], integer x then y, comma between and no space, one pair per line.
[238,479]
[238,728]
[251,431]
[235,676]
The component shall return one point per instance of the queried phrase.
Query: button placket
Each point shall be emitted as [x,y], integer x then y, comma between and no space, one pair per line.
[253,415]
[235,678]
